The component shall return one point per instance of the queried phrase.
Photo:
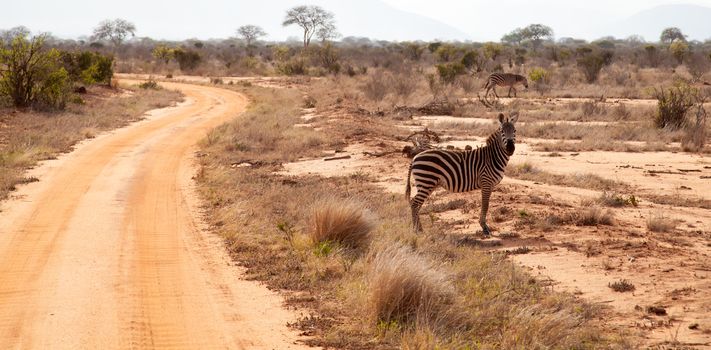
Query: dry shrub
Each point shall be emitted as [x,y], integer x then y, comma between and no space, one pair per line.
[345,222]
[594,216]
[406,288]
[376,86]
[672,106]
[660,223]
[621,286]
[694,138]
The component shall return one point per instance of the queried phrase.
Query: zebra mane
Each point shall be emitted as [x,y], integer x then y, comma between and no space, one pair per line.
[493,139]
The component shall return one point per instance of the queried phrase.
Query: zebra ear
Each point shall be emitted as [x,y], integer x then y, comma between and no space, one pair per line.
[514,118]
[502,118]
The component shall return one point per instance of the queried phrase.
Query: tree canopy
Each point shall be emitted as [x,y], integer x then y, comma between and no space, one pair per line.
[116,30]
[313,20]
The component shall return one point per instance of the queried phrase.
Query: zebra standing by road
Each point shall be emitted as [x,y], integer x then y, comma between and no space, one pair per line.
[463,171]
[504,79]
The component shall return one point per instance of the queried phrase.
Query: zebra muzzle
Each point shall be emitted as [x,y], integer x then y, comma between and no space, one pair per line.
[510,147]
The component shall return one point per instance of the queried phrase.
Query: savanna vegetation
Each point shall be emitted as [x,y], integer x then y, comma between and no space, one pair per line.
[341,247]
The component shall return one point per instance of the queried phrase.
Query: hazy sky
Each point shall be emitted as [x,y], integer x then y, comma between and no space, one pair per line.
[467,19]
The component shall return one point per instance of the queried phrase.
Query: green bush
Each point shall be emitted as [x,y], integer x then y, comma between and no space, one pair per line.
[187,59]
[31,75]
[54,91]
[448,72]
[294,66]
[538,74]
[88,67]
[592,62]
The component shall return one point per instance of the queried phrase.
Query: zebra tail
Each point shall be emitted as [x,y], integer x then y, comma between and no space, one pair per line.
[407,183]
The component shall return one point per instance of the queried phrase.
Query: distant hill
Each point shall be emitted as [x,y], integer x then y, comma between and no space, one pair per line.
[378,20]
[693,20]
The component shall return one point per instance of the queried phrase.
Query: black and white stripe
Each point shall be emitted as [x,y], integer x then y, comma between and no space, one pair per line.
[505,79]
[463,171]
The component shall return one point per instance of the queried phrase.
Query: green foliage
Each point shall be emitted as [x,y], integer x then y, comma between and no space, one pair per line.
[680,50]
[88,67]
[294,66]
[413,51]
[472,59]
[448,72]
[446,52]
[329,58]
[433,46]
[32,75]
[672,34]
[323,249]
[163,53]
[149,85]
[492,50]
[187,59]
[672,106]
[538,74]
[592,62]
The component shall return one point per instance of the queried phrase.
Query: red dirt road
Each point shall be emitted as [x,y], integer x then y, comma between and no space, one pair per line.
[108,251]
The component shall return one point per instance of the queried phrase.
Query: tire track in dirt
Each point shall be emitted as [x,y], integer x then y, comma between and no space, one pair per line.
[107,250]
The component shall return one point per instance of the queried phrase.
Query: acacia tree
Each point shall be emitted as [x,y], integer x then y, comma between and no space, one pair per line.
[250,34]
[312,19]
[116,31]
[670,34]
[534,33]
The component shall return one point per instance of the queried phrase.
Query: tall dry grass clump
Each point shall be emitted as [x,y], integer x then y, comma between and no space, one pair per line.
[406,289]
[345,222]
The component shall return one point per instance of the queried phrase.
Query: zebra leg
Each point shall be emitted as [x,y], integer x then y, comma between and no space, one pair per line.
[493,87]
[515,92]
[485,195]
[510,87]
[415,204]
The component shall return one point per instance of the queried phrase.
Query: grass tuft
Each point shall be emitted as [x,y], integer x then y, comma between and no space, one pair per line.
[345,222]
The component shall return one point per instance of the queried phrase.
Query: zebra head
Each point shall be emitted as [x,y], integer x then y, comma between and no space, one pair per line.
[508,132]
[523,81]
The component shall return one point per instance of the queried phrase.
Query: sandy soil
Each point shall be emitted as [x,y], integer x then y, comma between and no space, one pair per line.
[670,270]
[108,250]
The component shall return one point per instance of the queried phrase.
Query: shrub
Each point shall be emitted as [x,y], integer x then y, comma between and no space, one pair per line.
[88,67]
[448,72]
[591,64]
[375,87]
[294,66]
[30,74]
[680,50]
[621,286]
[187,59]
[594,216]
[342,221]
[540,78]
[472,59]
[672,106]
[405,288]
[149,85]
[660,223]
[695,136]
[54,91]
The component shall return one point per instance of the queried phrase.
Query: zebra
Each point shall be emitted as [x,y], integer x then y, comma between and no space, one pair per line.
[504,79]
[463,171]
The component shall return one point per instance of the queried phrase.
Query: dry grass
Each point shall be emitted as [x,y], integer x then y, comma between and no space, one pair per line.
[527,171]
[345,222]
[660,223]
[422,291]
[407,289]
[595,216]
[27,137]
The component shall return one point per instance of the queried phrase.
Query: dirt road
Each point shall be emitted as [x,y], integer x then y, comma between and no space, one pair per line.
[107,250]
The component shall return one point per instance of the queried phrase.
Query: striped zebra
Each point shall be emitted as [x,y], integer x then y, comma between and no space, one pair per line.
[463,171]
[504,79]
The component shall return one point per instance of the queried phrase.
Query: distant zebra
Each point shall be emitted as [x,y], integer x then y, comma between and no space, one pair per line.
[463,171]
[504,79]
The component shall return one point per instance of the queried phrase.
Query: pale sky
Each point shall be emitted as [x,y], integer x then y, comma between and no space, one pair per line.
[443,19]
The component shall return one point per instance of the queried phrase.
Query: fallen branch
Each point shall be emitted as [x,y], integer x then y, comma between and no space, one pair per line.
[337,158]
